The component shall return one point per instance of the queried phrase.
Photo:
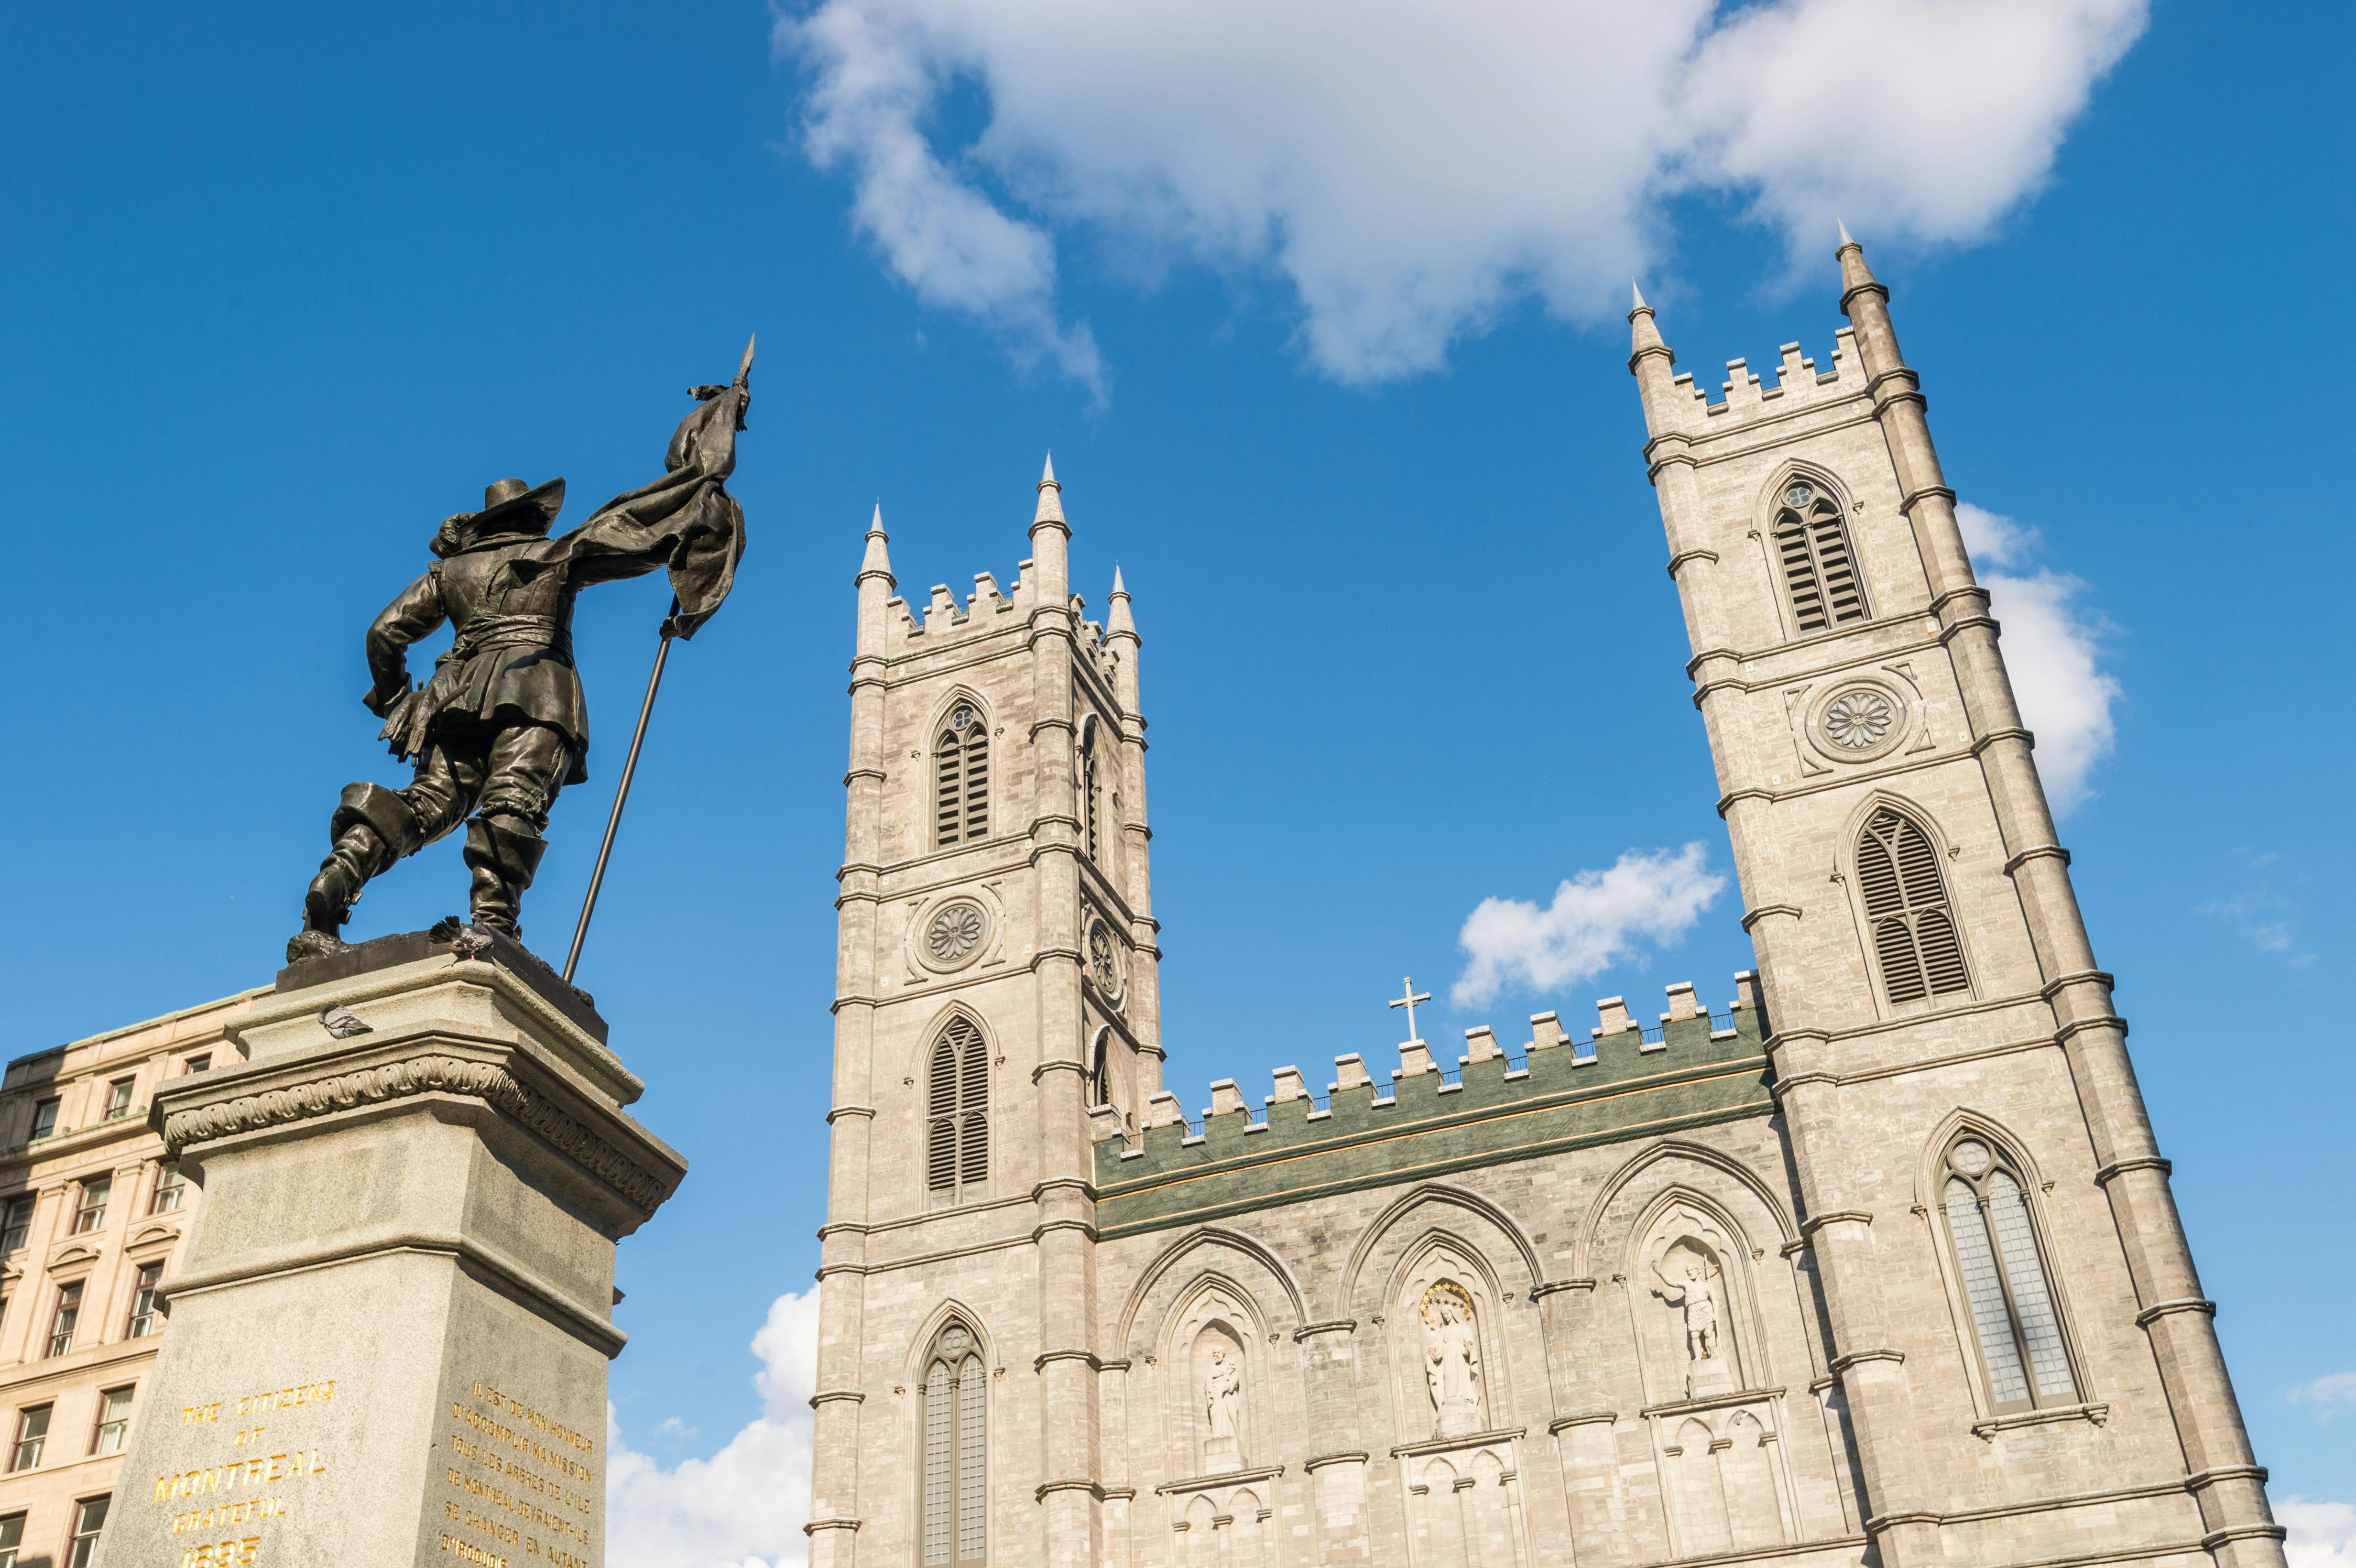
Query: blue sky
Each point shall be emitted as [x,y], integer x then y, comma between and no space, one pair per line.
[287,284]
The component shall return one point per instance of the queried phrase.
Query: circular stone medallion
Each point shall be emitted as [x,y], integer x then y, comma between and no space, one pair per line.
[1858,722]
[1104,960]
[955,933]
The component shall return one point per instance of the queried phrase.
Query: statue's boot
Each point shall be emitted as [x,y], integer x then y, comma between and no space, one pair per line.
[504,853]
[372,827]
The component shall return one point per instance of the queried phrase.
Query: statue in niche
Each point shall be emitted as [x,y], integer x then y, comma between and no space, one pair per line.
[1452,1360]
[1222,1399]
[1692,1283]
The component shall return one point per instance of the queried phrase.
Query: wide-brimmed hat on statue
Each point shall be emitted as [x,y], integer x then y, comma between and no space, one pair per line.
[511,509]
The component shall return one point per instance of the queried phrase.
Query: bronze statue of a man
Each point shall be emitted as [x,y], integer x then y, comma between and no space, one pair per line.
[501,726]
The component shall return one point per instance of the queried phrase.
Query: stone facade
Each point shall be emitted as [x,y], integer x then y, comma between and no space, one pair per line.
[88,1104]
[1876,1264]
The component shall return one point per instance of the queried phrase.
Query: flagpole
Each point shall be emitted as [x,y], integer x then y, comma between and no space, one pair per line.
[646,709]
[621,794]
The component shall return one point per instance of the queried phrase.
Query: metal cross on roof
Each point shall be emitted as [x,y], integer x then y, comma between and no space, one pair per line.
[1408,1002]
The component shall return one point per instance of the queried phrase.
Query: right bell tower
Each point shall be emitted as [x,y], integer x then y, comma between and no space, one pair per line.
[2018,1328]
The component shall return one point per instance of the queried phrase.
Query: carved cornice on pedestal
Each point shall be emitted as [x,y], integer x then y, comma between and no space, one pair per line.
[280,1092]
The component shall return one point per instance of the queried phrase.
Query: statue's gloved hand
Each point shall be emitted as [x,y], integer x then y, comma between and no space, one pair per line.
[383,699]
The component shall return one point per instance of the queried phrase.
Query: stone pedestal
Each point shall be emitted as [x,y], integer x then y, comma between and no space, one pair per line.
[389,1332]
[1710,1375]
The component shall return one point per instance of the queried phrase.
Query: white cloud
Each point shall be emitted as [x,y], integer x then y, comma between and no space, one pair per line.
[2327,1393]
[1596,919]
[1412,170]
[2322,1535]
[2053,648]
[2268,918]
[745,1506]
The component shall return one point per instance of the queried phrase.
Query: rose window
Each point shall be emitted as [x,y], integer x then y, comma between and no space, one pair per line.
[1100,958]
[1858,720]
[954,934]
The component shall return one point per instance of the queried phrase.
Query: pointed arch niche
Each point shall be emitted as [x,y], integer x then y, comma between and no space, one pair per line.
[1444,1327]
[1211,1290]
[1694,1298]
[1218,1373]
[1220,1415]
[1720,1316]
[1447,1327]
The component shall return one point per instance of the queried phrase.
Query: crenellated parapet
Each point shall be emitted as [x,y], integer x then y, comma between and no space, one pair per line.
[984,610]
[1492,1105]
[1744,396]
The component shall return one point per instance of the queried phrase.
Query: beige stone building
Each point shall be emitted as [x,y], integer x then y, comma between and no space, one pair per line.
[90,1215]
[1875,1265]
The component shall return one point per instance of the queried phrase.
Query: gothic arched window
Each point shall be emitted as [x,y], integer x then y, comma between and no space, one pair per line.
[962,778]
[1100,1068]
[1812,546]
[957,1107]
[2014,1319]
[955,1471]
[1089,813]
[1913,927]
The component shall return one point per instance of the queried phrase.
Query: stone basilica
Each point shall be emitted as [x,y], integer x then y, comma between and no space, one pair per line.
[1875,1264]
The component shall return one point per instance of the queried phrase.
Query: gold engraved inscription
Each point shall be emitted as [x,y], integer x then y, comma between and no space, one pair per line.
[519,1478]
[197,1497]
[467,1551]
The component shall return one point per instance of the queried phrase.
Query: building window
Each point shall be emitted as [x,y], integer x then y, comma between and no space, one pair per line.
[11,1538]
[16,1222]
[90,1214]
[1914,935]
[955,1449]
[62,1321]
[962,778]
[956,1162]
[198,1063]
[147,1309]
[113,1421]
[45,1119]
[32,1437]
[118,1098]
[1820,568]
[89,1517]
[1100,1069]
[1088,811]
[171,1188]
[2005,1282]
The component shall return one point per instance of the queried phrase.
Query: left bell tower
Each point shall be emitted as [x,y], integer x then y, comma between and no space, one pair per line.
[996,1010]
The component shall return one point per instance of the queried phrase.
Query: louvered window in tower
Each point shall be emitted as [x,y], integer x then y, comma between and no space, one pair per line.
[1100,1069]
[962,778]
[2014,1321]
[1812,549]
[954,1472]
[1914,937]
[957,1110]
[1088,800]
